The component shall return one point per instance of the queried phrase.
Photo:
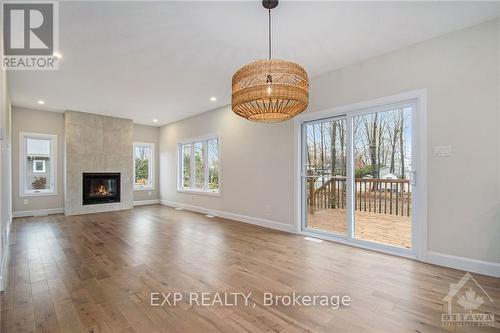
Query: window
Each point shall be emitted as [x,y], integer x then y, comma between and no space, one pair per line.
[199,165]
[213,164]
[38,164]
[143,166]
[186,166]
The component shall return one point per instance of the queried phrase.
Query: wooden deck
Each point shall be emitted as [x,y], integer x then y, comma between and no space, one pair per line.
[380,228]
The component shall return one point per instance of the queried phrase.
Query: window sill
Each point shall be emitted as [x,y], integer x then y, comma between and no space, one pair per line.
[213,194]
[151,188]
[37,194]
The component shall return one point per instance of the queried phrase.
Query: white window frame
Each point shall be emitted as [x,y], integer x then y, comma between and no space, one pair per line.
[151,167]
[23,189]
[180,159]
[43,166]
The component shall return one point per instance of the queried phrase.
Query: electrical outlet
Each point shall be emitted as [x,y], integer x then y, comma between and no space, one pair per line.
[26,201]
[150,193]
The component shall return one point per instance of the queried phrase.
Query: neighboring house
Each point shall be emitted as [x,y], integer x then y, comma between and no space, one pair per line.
[38,163]
[384,174]
[359,163]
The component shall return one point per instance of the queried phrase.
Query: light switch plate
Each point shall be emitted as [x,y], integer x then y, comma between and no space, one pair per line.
[441,151]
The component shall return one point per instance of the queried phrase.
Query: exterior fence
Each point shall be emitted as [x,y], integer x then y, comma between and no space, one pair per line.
[381,196]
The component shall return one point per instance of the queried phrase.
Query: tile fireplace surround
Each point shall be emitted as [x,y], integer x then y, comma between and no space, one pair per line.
[96,144]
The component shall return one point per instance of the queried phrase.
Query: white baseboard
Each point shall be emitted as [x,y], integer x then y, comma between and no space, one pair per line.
[236,217]
[146,202]
[40,212]
[465,264]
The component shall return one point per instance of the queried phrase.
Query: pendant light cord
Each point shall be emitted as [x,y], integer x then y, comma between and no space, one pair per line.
[269,34]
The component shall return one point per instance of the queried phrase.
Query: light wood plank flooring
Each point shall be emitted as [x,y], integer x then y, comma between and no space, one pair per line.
[374,227]
[95,273]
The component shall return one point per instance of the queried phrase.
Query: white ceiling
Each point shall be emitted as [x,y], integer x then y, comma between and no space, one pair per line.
[165,60]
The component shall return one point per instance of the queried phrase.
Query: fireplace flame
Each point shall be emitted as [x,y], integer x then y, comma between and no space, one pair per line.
[101,191]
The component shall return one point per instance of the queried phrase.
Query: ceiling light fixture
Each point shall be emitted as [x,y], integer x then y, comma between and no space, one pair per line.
[155,120]
[270,90]
[57,55]
[41,102]
[213,98]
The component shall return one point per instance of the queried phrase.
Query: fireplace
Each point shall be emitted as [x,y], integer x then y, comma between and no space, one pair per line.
[101,188]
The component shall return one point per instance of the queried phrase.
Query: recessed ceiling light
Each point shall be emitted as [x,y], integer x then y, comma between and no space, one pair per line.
[57,55]
[155,120]
[41,102]
[213,98]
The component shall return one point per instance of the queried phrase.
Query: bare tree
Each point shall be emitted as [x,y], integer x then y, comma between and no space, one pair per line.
[333,146]
[381,128]
[322,150]
[308,149]
[371,125]
[342,148]
[393,141]
[314,147]
[401,143]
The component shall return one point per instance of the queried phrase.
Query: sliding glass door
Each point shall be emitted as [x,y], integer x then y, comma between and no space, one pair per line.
[382,164]
[356,176]
[325,175]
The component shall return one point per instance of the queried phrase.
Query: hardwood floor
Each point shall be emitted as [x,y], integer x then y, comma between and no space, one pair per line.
[95,273]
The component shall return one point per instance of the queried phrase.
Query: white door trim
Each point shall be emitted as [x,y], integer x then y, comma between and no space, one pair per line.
[419,140]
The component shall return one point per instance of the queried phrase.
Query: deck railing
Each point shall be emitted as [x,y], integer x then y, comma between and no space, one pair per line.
[382,196]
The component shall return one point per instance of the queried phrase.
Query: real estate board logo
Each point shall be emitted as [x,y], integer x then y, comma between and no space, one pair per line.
[30,34]
[464,302]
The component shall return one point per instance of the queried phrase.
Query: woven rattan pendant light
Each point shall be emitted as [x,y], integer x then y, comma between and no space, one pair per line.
[270,90]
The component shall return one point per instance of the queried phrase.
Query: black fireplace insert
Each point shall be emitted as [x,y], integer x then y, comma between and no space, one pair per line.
[101,188]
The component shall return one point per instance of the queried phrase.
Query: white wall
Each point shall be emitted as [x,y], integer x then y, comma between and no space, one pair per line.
[5,169]
[149,134]
[461,75]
